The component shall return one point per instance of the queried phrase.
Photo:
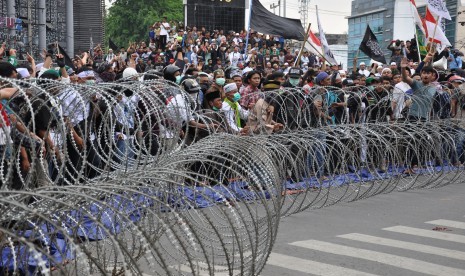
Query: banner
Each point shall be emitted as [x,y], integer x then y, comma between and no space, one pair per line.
[313,44]
[327,52]
[438,7]
[112,45]
[68,60]
[266,22]
[434,33]
[371,48]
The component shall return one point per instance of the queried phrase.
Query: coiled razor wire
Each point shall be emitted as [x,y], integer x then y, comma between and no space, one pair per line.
[119,193]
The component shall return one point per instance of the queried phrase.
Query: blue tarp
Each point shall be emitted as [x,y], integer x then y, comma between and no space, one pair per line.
[82,223]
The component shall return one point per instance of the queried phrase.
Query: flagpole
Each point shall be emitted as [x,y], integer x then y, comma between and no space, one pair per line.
[418,44]
[322,44]
[248,28]
[415,30]
[320,54]
[434,33]
[303,46]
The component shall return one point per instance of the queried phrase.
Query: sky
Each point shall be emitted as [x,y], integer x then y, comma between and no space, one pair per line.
[332,13]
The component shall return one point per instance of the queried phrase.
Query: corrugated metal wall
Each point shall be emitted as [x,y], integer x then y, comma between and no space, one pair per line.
[88,22]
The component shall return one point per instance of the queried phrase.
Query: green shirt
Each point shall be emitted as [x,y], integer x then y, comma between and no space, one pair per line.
[13,61]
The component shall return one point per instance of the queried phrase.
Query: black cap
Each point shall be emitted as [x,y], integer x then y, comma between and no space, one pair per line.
[295,72]
[348,82]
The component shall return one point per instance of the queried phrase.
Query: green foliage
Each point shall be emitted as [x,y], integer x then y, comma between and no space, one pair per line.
[129,20]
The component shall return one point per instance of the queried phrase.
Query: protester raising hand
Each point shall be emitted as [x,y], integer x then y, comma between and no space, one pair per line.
[2,49]
[404,62]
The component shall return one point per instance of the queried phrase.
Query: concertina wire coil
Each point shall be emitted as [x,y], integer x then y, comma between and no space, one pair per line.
[124,200]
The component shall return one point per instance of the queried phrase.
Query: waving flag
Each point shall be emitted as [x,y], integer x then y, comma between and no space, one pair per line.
[438,7]
[371,48]
[313,43]
[434,33]
[416,16]
[264,21]
[327,52]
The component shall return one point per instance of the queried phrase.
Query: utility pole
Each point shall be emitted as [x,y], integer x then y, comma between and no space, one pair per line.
[42,24]
[70,28]
[284,8]
[11,12]
[303,10]
[29,25]
[274,6]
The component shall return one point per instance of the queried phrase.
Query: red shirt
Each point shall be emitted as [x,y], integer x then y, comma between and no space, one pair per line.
[249,95]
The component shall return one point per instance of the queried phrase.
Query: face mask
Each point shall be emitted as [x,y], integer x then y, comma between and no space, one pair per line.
[204,87]
[267,59]
[294,82]
[338,85]
[178,79]
[90,82]
[237,97]
[215,108]
[220,81]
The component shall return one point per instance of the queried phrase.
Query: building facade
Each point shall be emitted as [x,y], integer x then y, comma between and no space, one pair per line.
[30,25]
[389,20]
[215,14]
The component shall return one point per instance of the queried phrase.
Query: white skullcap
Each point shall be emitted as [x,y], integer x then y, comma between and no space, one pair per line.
[230,87]
[386,69]
[129,72]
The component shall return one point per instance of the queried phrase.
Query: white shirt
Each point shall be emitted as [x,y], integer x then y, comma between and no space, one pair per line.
[304,59]
[178,112]
[194,58]
[164,27]
[364,72]
[231,116]
[398,97]
[73,106]
[234,58]
[237,40]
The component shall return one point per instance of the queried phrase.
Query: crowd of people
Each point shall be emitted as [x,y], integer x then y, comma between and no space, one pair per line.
[265,88]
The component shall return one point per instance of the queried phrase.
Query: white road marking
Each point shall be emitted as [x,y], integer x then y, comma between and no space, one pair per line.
[454,254]
[308,266]
[384,258]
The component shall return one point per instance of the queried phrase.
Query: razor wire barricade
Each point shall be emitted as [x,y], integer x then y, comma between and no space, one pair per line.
[119,182]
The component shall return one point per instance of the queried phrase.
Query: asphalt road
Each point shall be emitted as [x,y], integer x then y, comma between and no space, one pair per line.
[414,233]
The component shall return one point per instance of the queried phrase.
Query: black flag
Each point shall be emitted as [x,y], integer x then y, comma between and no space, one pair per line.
[68,60]
[266,22]
[371,48]
[112,45]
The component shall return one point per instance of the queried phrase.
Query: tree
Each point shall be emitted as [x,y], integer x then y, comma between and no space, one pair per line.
[129,20]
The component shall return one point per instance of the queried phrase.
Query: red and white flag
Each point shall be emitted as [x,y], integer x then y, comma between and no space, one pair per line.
[439,8]
[313,43]
[434,33]
[327,52]
[416,16]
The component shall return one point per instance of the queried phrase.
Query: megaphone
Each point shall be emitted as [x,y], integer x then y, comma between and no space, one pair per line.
[440,64]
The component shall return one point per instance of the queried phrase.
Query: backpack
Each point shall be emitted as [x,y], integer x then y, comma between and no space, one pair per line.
[287,108]
[442,105]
